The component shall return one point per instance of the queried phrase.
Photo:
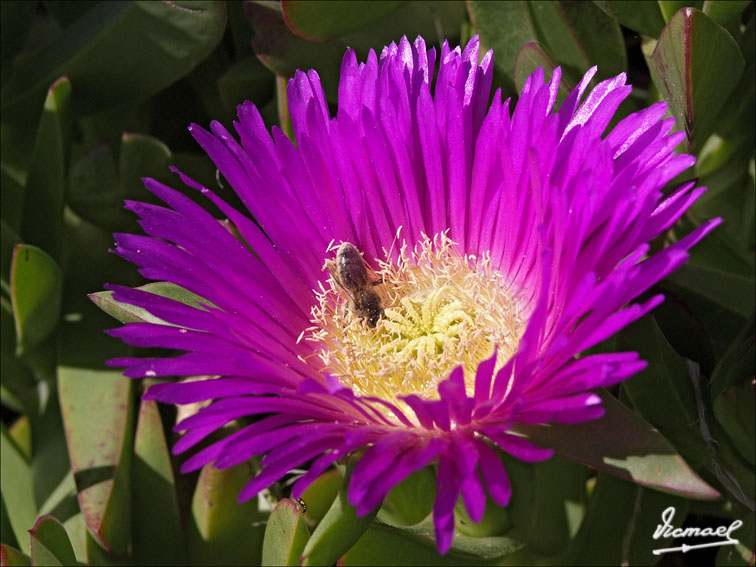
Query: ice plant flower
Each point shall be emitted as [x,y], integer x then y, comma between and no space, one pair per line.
[488,248]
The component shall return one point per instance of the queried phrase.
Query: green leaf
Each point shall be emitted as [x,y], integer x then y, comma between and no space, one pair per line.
[50,544]
[97,53]
[285,535]
[17,489]
[622,444]
[731,388]
[321,493]
[15,21]
[436,21]
[738,362]
[578,35]
[339,529]
[12,557]
[318,21]
[382,544]
[729,291]
[94,192]
[127,313]
[98,419]
[719,300]
[696,65]
[21,434]
[247,79]
[157,538]
[97,189]
[45,183]
[379,545]
[223,531]
[36,288]
[619,525]
[641,16]
[504,27]
[558,506]
[529,58]
[743,552]
[670,7]
[283,53]
[724,12]
[63,504]
[11,201]
[411,500]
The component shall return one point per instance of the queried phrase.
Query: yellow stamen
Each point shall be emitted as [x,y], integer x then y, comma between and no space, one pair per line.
[441,310]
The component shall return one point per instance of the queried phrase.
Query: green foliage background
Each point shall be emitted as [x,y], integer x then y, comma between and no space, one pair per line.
[97,95]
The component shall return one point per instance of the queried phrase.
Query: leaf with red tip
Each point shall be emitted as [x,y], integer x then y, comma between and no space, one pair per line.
[50,544]
[97,417]
[12,557]
[696,65]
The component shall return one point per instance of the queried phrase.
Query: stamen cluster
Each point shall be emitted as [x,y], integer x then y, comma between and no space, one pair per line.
[441,310]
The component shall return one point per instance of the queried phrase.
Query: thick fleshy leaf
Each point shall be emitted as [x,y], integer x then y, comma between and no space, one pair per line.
[319,21]
[379,545]
[558,506]
[247,79]
[729,291]
[21,434]
[581,36]
[98,188]
[97,53]
[17,489]
[670,7]
[127,313]
[738,362]
[221,530]
[724,12]
[320,495]
[743,553]
[410,501]
[98,420]
[577,34]
[45,183]
[36,288]
[283,53]
[696,65]
[619,525]
[339,529]
[638,15]
[382,544]
[13,557]
[529,58]
[15,21]
[718,300]
[285,535]
[63,504]
[50,544]
[731,390]
[625,445]
[156,526]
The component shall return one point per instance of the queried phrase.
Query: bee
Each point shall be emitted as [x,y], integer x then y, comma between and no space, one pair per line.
[350,272]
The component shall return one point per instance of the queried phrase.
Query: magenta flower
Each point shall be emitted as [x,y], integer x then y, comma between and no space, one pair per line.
[497,247]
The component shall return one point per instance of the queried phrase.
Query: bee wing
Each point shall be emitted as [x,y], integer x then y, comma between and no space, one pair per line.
[334,271]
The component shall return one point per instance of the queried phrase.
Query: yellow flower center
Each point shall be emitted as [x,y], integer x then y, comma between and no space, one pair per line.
[440,310]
